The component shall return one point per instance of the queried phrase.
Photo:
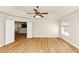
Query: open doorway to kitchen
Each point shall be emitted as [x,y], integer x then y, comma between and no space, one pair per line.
[20,30]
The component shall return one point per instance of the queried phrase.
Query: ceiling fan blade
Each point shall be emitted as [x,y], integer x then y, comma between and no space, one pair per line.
[35,10]
[44,13]
[41,15]
[30,13]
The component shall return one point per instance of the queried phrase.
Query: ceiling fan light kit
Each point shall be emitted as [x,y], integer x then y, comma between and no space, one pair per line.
[37,16]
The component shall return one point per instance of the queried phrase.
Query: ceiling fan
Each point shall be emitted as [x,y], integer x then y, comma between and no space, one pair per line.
[37,12]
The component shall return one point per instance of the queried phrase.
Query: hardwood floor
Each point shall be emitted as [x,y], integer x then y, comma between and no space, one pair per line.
[38,45]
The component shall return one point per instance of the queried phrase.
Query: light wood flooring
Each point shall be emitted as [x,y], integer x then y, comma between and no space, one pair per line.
[38,45]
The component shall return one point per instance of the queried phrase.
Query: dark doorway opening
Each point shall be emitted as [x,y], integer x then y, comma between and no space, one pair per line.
[20,30]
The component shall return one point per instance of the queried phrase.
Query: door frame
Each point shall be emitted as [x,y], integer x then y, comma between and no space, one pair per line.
[29,24]
[28,32]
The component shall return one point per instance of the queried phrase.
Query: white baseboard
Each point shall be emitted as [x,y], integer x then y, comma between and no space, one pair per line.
[45,36]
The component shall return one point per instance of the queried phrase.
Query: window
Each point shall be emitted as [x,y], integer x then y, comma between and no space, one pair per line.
[64,28]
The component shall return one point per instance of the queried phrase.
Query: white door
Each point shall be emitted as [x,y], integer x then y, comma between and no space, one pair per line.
[10,31]
[29,29]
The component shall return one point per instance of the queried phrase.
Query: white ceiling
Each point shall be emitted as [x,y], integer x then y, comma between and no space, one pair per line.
[22,11]
[29,9]
[48,9]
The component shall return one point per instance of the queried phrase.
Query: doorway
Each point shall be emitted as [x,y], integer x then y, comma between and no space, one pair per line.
[20,30]
[13,31]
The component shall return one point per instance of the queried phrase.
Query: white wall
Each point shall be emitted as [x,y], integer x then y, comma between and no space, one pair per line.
[45,28]
[9,31]
[2,29]
[73,37]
